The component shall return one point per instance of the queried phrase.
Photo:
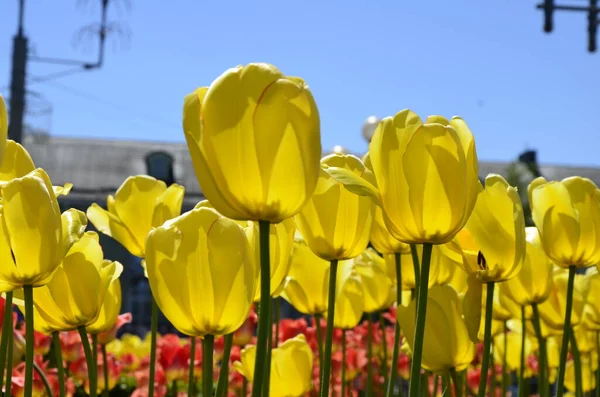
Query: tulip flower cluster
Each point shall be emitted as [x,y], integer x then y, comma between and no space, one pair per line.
[411,276]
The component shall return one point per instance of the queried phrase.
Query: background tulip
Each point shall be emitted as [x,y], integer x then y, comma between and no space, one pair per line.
[382,239]
[306,284]
[272,170]
[552,310]
[442,351]
[336,223]
[350,299]
[140,204]
[534,282]
[111,307]
[377,286]
[291,369]
[201,272]
[567,214]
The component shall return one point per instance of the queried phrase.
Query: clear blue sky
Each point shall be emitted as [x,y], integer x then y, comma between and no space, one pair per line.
[488,62]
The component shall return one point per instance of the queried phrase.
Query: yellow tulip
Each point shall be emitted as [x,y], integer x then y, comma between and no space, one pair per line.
[254,138]
[586,339]
[459,281]
[495,249]
[446,341]
[140,204]
[16,163]
[34,237]
[587,375]
[306,284]
[335,222]
[349,298]
[3,127]
[552,310]
[75,295]
[592,308]
[382,239]
[202,273]
[567,214]
[553,350]
[110,309]
[534,282]
[377,286]
[512,307]
[291,367]
[513,350]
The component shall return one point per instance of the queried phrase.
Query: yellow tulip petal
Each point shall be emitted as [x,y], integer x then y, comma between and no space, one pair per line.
[17,161]
[109,224]
[73,224]
[168,204]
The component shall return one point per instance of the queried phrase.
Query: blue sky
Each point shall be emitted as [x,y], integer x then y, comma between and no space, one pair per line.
[488,62]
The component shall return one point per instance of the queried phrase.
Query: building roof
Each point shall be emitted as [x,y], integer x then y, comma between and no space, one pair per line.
[95,165]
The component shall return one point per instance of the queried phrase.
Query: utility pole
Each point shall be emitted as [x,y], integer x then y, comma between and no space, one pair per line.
[592,10]
[19,68]
[17,83]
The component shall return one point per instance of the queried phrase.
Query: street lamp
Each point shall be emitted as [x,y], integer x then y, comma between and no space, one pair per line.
[369,126]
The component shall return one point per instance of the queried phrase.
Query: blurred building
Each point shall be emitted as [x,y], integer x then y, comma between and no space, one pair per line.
[98,167]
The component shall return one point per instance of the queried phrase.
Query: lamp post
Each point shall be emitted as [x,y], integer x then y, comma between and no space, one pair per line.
[549,6]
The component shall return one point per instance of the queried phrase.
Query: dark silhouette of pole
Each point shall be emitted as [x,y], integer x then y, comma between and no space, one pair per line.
[17,84]
[549,6]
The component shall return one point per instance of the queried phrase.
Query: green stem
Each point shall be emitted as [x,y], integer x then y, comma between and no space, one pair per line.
[577,363]
[543,364]
[343,377]
[493,382]
[369,390]
[445,386]
[416,267]
[317,318]
[456,382]
[191,378]
[277,310]
[562,362]
[9,363]
[415,368]
[436,381]
[262,340]
[504,365]
[207,365]
[266,387]
[95,351]
[244,387]
[396,348]
[384,369]
[224,371]
[425,383]
[59,363]
[89,356]
[329,331]
[598,370]
[153,331]
[29,340]
[487,339]
[522,363]
[7,327]
[42,375]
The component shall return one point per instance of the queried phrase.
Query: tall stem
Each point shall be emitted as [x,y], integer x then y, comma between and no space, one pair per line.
[522,364]
[577,363]
[416,267]
[369,390]
[487,339]
[504,362]
[598,370]
[9,363]
[224,371]
[415,368]
[384,370]
[59,363]
[29,339]
[560,385]
[445,385]
[89,357]
[44,379]
[207,364]
[396,348]
[105,368]
[7,331]
[436,382]
[191,378]
[343,377]
[153,330]
[317,318]
[267,382]
[262,340]
[543,365]
[456,382]
[329,331]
